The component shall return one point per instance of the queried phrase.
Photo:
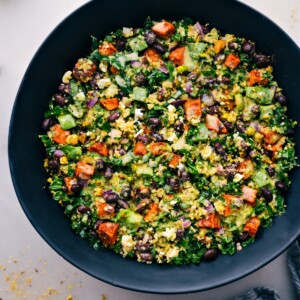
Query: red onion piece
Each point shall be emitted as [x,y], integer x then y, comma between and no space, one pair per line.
[106,193]
[189,87]
[58,153]
[198,28]
[256,126]
[219,230]
[164,69]
[208,100]
[186,223]
[91,102]
[135,63]
[210,209]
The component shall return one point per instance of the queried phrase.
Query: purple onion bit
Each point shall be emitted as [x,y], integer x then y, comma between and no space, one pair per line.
[135,63]
[189,87]
[186,224]
[58,153]
[219,230]
[199,29]
[208,100]
[91,102]
[164,69]
[210,209]
[106,193]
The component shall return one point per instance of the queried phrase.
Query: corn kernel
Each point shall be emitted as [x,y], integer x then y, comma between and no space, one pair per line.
[258,137]
[72,139]
[182,69]
[63,160]
[98,191]
[250,130]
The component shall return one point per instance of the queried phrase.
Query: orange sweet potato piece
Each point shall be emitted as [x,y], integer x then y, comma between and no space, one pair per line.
[107,49]
[108,232]
[99,148]
[163,29]
[84,170]
[157,148]
[211,221]
[152,212]
[228,198]
[177,56]
[249,194]
[214,123]
[232,61]
[139,149]
[219,46]
[110,104]
[173,163]
[103,212]
[254,77]
[192,108]
[271,137]
[246,168]
[151,55]
[60,135]
[113,70]
[252,226]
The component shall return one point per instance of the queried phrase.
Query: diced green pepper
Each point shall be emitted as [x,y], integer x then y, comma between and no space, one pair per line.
[66,122]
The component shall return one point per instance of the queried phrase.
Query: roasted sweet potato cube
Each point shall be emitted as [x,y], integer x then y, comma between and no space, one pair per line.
[163,29]
[108,232]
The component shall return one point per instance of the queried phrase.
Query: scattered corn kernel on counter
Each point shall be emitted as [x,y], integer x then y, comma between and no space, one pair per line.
[169,143]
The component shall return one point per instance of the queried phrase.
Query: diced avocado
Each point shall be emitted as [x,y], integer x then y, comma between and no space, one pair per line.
[76,110]
[138,44]
[188,61]
[239,102]
[120,81]
[261,178]
[195,49]
[72,152]
[243,215]
[131,56]
[144,170]
[266,112]
[260,94]
[248,112]
[129,218]
[139,94]
[203,132]
[66,122]
[127,158]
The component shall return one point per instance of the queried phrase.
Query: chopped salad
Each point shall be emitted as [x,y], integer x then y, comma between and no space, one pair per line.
[169,143]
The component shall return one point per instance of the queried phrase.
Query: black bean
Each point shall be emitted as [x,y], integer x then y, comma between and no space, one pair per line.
[83,209]
[252,154]
[248,47]
[61,88]
[159,48]
[146,256]
[281,99]
[47,124]
[100,164]
[192,76]
[213,109]
[178,103]
[179,127]
[290,131]
[144,193]
[82,182]
[244,145]
[76,188]
[143,139]
[60,100]
[154,122]
[225,80]
[123,203]
[240,127]
[157,137]
[255,109]
[143,247]
[232,45]
[262,60]
[208,81]
[243,237]
[219,58]
[112,197]
[126,192]
[205,29]
[211,254]
[219,149]
[108,173]
[185,176]
[53,165]
[122,151]
[174,183]
[267,194]
[229,126]
[98,223]
[121,43]
[281,186]
[64,189]
[113,117]
[179,234]
[142,205]
[150,38]
[271,171]
[140,79]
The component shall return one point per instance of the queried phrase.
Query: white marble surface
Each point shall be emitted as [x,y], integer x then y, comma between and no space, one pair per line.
[29,268]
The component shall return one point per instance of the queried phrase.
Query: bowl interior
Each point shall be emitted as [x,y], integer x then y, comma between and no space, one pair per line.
[71,40]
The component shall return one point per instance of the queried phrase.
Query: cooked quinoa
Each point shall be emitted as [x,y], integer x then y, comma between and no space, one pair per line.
[169,143]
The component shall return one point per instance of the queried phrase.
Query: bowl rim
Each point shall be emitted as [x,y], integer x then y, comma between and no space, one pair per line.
[55,247]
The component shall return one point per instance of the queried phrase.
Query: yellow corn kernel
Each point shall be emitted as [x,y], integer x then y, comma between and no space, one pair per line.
[250,130]
[258,137]
[182,69]
[63,160]
[203,54]
[72,139]
[98,191]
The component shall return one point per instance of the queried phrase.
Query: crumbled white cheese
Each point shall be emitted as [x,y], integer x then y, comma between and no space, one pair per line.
[169,234]
[104,82]
[172,252]
[103,66]
[127,243]
[67,77]
[80,96]
[138,115]
[111,91]
[206,152]
[238,177]
[172,137]
[171,108]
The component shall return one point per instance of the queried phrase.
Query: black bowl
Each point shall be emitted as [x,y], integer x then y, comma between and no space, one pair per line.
[71,40]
